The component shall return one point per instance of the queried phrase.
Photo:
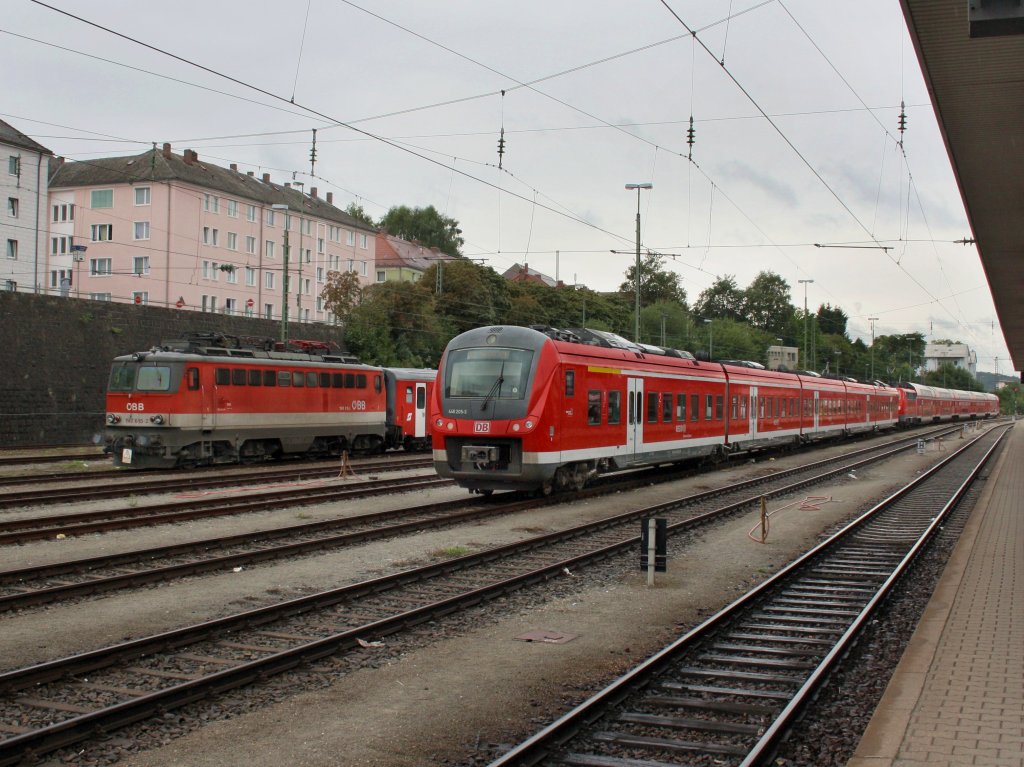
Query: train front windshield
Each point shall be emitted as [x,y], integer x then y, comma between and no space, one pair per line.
[490,372]
[132,376]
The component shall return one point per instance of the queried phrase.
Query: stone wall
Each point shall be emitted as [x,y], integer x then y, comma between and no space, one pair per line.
[56,354]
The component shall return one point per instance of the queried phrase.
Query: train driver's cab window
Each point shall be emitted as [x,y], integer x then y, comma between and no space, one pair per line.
[594,408]
[570,383]
[153,378]
[490,372]
[614,407]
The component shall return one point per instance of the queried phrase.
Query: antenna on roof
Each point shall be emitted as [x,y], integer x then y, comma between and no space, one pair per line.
[312,157]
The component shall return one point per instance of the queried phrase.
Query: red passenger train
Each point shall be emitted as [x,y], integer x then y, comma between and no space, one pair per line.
[211,398]
[516,408]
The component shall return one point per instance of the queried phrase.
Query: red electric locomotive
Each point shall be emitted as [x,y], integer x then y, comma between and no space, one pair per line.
[516,408]
[211,398]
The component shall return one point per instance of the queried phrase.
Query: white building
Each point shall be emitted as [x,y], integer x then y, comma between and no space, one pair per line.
[783,358]
[23,189]
[958,355]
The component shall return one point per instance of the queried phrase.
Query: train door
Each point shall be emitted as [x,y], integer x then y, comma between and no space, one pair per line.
[421,410]
[635,415]
[753,413]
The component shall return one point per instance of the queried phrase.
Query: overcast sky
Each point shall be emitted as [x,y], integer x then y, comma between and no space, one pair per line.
[795,106]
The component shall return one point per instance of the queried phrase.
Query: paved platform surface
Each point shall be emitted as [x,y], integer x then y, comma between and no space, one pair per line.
[957,697]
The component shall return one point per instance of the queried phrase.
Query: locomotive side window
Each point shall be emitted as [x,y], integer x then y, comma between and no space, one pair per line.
[255,377]
[192,376]
[408,395]
[284,378]
[238,376]
[735,407]
[614,407]
[298,380]
[269,378]
[337,380]
[325,380]
[708,404]
[570,383]
[652,407]
[153,378]
[681,407]
[594,407]
[743,408]
[694,407]
[376,384]
[311,379]
[666,408]
[350,380]
[361,381]
[222,376]
[718,407]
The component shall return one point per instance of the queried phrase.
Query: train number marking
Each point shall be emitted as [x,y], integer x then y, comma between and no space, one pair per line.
[482,427]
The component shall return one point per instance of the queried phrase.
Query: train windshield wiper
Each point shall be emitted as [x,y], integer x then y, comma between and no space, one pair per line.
[495,389]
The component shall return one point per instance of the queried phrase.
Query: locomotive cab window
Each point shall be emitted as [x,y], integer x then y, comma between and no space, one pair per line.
[122,378]
[594,407]
[492,372]
[153,378]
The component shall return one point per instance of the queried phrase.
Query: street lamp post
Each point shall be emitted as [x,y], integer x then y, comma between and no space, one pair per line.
[872,321]
[711,339]
[284,280]
[805,283]
[636,277]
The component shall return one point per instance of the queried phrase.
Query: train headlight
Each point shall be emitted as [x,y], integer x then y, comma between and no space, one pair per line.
[451,426]
[515,427]
[439,423]
[112,419]
[157,419]
[529,425]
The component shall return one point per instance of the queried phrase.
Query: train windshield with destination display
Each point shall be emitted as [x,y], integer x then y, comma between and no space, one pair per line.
[132,376]
[494,373]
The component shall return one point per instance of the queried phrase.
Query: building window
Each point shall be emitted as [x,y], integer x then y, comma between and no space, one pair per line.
[268,311]
[10,285]
[232,275]
[268,280]
[142,195]
[59,245]
[250,212]
[233,208]
[250,276]
[211,203]
[100,267]
[65,212]
[12,249]
[210,269]
[140,297]
[102,232]
[363,271]
[101,198]
[12,207]
[363,242]
[270,217]
[141,230]
[13,166]
[308,255]
[215,237]
[250,245]
[140,265]
[101,297]
[350,238]
[381,275]
[319,274]
[320,245]
[232,241]
[230,305]
[270,249]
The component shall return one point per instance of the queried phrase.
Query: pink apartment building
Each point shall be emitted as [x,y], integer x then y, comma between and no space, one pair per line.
[170,230]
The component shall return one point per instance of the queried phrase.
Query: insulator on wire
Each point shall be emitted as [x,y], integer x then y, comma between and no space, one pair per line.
[903,119]
[691,138]
[501,147]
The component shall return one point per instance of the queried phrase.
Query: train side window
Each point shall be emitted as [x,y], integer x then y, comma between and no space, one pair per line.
[255,378]
[350,380]
[421,397]
[311,379]
[376,384]
[325,380]
[681,407]
[743,408]
[408,395]
[709,403]
[222,376]
[735,407]
[337,380]
[694,407]
[238,376]
[284,378]
[192,376]
[614,407]
[760,407]
[570,383]
[298,380]
[594,407]
[269,378]
[361,381]
[719,399]
[666,408]
[652,407]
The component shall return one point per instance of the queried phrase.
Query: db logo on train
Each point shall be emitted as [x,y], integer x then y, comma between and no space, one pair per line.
[482,426]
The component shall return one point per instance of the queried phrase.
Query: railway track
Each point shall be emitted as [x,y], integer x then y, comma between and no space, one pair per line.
[727,692]
[118,482]
[61,702]
[87,454]
[44,584]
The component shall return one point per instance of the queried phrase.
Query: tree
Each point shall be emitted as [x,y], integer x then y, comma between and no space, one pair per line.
[470,296]
[766,302]
[656,282]
[832,321]
[356,211]
[342,293]
[426,226]
[721,300]
[395,326]
[898,356]
[951,377]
